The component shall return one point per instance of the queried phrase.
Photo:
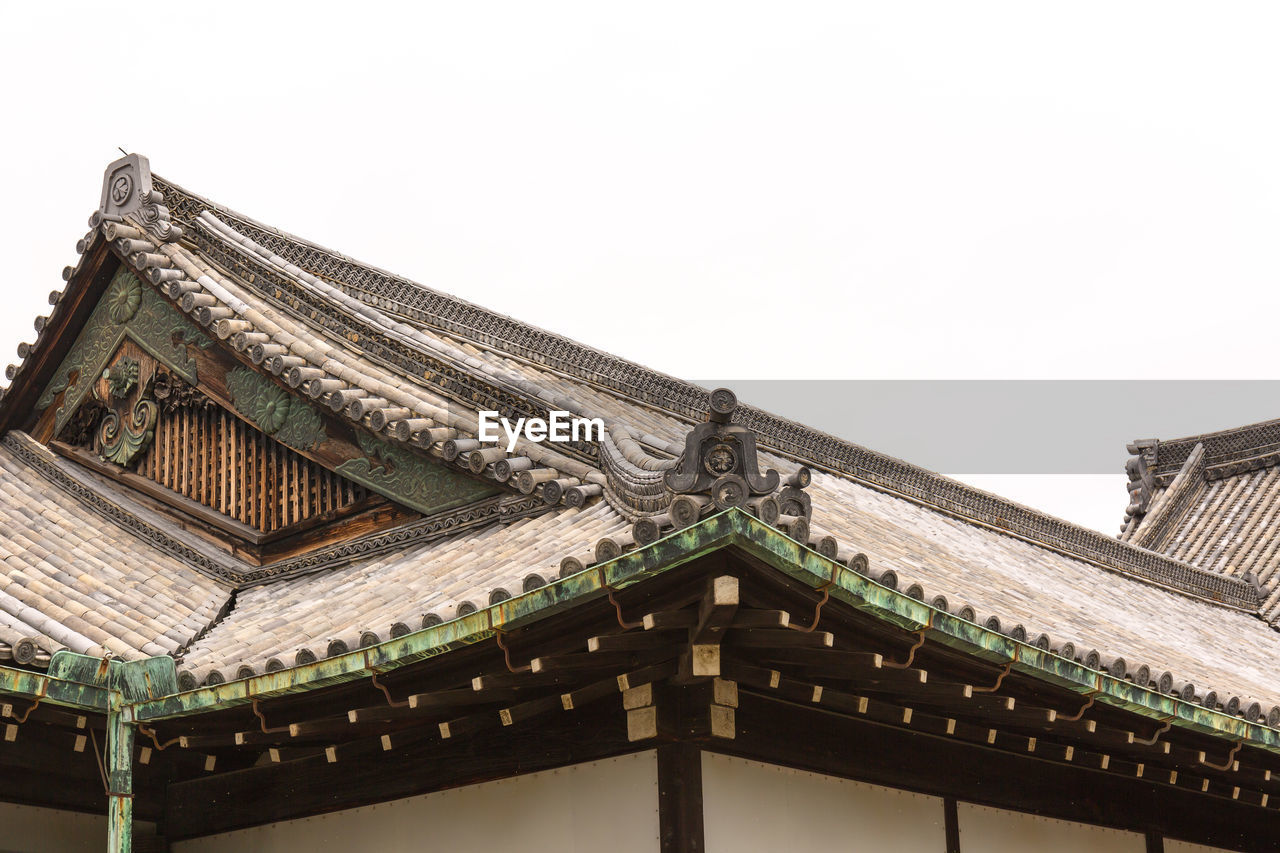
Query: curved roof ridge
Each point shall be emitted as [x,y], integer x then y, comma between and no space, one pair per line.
[1227,451]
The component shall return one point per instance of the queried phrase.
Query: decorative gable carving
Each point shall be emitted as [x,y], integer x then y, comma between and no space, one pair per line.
[418,483]
[145,396]
[128,311]
[130,420]
[285,418]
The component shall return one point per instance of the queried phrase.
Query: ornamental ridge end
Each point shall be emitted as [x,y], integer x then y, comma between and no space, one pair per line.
[720,461]
[127,190]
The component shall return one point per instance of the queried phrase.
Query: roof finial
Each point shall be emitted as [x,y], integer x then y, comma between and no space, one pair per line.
[720,458]
[127,191]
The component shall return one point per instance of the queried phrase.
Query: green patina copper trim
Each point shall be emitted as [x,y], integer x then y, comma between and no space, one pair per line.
[88,683]
[732,528]
[55,691]
[119,778]
[888,605]
[277,413]
[105,686]
[127,310]
[411,480]
[134,680]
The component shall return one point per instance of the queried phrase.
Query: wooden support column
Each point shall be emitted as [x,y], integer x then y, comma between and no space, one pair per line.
[680,798]
[951,815]
[119,766]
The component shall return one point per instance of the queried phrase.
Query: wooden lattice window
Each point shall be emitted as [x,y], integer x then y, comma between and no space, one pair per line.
[208,455]
[221,470]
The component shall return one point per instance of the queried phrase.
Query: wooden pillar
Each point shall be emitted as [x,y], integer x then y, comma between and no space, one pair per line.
[680,798]
[951,816]
[119,781]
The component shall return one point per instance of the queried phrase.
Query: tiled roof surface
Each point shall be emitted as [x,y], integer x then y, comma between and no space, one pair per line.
[275,625]
[1232,526]
[1043,592]
[1223,517]
[72,579]
[411,589]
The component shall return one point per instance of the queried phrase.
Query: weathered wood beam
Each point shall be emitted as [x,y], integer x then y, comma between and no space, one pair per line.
[668,619]
[437,700]
[458,698]
[593,661]
[41,748]
[634,641]
[518,680]
[716,610]
[742,618]
[998,735]
[986,717]
[771,638]
[947,735]
[761,619]
[840,663]
[12,709]
[366,773]
[63,791]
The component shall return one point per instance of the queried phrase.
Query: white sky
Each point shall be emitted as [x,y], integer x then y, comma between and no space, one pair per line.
[886,190]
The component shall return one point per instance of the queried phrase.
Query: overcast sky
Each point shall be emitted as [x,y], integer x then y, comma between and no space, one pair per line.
[887,190]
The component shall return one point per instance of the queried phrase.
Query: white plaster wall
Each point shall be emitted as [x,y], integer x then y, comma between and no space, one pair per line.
[750,806]
[27,829]
[1171,846]
[608,806]
[997,830]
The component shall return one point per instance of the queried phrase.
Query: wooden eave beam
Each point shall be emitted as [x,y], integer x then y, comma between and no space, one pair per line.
[716,610]
[1103,749]
[992,738]
[364,772]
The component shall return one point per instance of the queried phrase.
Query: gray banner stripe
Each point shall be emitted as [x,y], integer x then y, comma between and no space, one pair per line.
[1012,426]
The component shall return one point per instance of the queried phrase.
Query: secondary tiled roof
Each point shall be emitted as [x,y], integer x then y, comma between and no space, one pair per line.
[273,626]
[72,579]
[1232,526]
[295,310]
[1219,508]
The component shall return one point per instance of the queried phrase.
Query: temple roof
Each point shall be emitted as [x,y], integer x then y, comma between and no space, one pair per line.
[412,368]
[1212,501]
